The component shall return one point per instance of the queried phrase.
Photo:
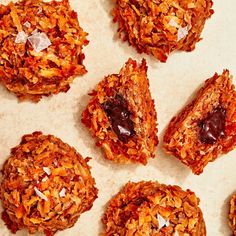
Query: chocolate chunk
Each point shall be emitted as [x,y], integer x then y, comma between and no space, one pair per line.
[119,116]
[213,126]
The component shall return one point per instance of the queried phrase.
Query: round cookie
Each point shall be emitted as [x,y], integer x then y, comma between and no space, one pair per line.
[232,214]
[162,26]
[41,48]
[153,209]
[46,185]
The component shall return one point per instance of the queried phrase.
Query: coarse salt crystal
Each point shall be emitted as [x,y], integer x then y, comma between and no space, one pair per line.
[47,170]
[62,193]
[40,194]
[21,37]
[35,31]
[182,32]
[162,222]
[27,24]
[39,41]
[173,23]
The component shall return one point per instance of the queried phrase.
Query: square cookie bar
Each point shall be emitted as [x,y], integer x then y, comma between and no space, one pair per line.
[122,116]
[206,127]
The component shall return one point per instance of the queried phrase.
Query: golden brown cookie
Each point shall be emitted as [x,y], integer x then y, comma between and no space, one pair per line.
[41,48]
[46,185]
[153,209]
[162,26]
[206,127]
[122,117]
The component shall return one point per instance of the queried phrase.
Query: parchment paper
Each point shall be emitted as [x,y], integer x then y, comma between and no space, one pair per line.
[172,85]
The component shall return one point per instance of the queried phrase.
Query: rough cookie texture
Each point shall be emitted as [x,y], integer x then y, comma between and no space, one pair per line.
[46,185]
[162,26]
[153,209]
[41,48]
[122,116]
[232,214]
[206,127]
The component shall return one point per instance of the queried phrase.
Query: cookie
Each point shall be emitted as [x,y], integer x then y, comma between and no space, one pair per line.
[153,209]
[41,48]
[46,185]
[122,117]
[206,127]
[160,27]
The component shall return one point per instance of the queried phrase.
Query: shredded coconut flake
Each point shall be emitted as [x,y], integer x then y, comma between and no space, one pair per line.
[27,24]
[39,41]
[55,163]
[173,23]
[162,222]
[21,37]
[202,152]
[182,32]
[40,194]
[45,179]
[47,170]
[62,193]
[191,5]
[176,233]
[40,10]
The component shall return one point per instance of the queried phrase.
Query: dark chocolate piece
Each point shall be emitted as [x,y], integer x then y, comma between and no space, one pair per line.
[213,126]
[117,111]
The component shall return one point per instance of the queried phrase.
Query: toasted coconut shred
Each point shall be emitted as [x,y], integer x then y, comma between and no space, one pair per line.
[41,48]
[150,208]
[40,196]
[160,27]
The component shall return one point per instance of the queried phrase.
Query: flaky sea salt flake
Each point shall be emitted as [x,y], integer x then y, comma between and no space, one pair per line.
[162,222]
[47,170]
[27,24]
[21,37]
[62,193]
[39,41]
[40,194]
[35,31]
[182,32]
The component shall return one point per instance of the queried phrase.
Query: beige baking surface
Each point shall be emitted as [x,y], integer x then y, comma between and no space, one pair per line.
[172,85]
